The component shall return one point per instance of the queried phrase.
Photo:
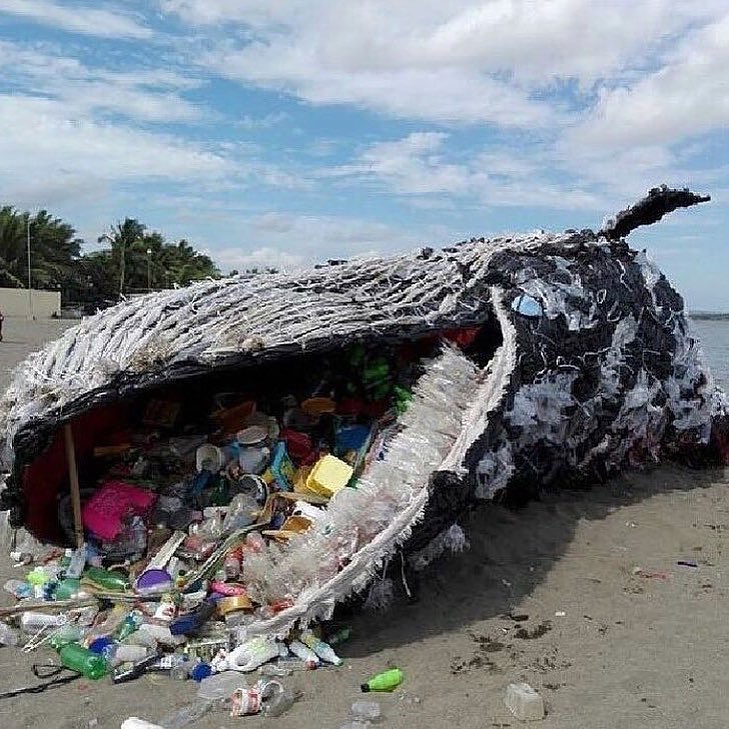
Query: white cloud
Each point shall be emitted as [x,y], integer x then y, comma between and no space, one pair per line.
[229,259]
[413,165]
[457,61]
[288,241]
[149,95]
[686,97]
[47,156]
[86,19]
[421,166]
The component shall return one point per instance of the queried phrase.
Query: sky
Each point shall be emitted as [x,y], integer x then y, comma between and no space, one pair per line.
[288,132]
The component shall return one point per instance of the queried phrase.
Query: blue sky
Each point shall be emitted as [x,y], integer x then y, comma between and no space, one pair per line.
[285,132]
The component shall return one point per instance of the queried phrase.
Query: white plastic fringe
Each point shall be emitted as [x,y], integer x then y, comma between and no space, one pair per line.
[363,526]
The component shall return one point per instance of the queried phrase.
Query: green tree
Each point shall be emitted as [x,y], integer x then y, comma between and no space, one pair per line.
[124,239]
[55,249]
[141,260]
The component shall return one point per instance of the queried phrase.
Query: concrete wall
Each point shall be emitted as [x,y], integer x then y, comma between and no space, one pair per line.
[14,302]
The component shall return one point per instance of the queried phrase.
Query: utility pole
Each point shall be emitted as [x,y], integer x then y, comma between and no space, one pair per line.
[30,288]
[121,268]
[149,270]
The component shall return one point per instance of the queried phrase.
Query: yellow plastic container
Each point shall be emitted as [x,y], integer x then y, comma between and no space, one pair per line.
[329,475]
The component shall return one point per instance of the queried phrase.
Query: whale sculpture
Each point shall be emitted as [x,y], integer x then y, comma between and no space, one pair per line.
[579,363]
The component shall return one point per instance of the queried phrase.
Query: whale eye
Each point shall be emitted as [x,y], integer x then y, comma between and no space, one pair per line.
[527,306]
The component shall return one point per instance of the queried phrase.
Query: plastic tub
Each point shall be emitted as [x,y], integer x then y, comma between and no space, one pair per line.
[329,476]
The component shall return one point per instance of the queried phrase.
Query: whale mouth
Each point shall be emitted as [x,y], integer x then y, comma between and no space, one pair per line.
[360,527]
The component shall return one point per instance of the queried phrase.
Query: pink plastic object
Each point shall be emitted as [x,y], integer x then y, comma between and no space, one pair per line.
[105,510]
[226,589]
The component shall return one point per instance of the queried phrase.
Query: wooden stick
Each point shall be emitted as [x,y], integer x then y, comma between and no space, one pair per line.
[73,480]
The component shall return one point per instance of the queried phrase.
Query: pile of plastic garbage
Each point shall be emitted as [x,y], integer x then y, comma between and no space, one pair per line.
[178,507]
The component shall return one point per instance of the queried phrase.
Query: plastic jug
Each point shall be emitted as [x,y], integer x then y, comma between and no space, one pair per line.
[253,653]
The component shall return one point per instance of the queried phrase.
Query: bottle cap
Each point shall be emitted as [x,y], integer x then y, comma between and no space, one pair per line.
[201,671]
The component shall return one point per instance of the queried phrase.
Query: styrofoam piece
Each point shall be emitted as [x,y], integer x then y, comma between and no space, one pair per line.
[524,702]
[134,722]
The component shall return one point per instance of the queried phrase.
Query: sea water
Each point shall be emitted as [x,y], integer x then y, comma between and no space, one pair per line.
[714,337]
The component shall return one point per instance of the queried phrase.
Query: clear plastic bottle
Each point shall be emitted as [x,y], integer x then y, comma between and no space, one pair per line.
[366,711]
[8,636]
[240,513]
[21,589]
[129,625]
[304,653]
[220,686]
[322,649]
[187,714]
[276,698]
[117,653]
[76,563]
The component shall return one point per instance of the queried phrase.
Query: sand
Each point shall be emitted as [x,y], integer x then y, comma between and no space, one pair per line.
[626,650]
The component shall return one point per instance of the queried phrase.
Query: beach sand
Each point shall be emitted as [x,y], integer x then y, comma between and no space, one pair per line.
[627,650]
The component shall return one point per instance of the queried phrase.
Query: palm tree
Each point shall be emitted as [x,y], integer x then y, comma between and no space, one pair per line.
[13,261]
[122,237]
[55,249]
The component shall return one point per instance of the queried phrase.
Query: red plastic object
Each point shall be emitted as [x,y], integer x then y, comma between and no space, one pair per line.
[461,337]
[298,445]
[104,512]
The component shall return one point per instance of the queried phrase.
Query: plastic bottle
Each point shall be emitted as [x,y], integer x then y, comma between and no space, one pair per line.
[190,623]
[219,685]
[304,653]
[136,670]
[385,681]
[64,635]
[116,653]
[8,636]
[322,649]
[187,714]
[82,660]
[31,621]
[19,588]
[109,580]
[67,589]
[38,577]
[76,563]
[129,625]
[276,699]
[366,711]
[240,513]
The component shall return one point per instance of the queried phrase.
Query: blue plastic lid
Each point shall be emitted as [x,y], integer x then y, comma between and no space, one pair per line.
[98,645]
[201,671]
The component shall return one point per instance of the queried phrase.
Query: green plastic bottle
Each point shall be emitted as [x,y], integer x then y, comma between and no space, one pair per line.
[108,580]
[82,660]
[67,589]
[385,681]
